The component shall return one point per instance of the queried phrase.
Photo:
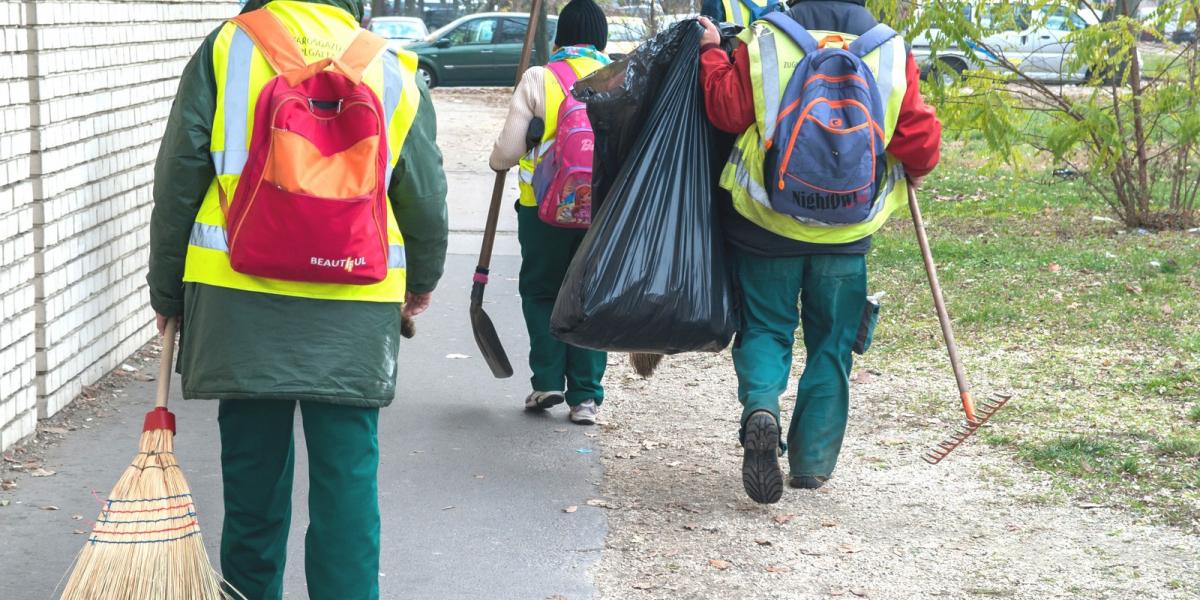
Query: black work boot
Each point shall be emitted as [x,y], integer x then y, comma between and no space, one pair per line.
[760,458]
[807,482]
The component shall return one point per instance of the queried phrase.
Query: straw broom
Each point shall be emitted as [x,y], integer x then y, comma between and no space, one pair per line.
[146,542]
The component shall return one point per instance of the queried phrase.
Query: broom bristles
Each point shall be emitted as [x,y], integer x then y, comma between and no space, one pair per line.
[644,363]
[146,542]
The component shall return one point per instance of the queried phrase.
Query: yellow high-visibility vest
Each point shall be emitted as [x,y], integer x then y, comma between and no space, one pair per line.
[241,71]
[773,57]
[555,96]
[738,11]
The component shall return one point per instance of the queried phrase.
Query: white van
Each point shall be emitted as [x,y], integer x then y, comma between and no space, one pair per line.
[1041,52]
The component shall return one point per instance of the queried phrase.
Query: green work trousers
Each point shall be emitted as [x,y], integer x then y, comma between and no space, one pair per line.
[341,546]
[825,295]
[546,253]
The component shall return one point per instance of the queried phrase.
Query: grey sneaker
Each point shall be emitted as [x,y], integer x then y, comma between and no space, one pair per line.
[544,400]
[585,413]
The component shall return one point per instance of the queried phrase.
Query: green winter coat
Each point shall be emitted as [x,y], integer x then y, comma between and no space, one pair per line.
[245,345]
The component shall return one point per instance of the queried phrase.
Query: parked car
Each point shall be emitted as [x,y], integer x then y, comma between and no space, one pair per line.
[625,34]
[399,31]
[482,49]
[1034,41]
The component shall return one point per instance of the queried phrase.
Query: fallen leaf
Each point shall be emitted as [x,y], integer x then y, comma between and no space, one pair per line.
[40,472]
[1053,267]
[1133,289]
[1167,310]
[828,523]
[55,430]
[863,376]
[76,517]
[8,484]
[858,592]
[849,548]
[763,542]
[783,519]
[599,503]
[79,532]
[50,507]
[779,569]
[570,509]
[719,564]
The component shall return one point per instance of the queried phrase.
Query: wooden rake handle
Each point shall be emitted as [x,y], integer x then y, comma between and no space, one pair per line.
[939,304]
[165,362]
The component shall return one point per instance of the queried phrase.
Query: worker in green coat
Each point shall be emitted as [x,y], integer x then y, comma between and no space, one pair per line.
[561,372]
[264,347]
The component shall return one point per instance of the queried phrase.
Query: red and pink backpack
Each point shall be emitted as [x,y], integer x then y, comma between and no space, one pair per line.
[562,181]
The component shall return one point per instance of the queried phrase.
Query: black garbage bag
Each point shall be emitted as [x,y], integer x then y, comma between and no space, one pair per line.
[651,275]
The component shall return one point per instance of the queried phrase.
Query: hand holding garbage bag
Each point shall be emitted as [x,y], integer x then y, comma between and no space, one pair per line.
[651,274]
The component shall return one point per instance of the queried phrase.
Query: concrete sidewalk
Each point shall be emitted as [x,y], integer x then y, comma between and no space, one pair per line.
[472,488]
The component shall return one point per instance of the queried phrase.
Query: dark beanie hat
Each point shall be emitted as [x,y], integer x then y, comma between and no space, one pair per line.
[582,23]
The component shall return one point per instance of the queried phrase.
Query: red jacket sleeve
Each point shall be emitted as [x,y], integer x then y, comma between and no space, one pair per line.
[917,141]
[728,97]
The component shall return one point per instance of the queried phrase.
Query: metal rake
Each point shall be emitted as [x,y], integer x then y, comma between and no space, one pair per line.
[976,417]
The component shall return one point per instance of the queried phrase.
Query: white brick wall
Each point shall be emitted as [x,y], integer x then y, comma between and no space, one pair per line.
[85,90]
[18,391]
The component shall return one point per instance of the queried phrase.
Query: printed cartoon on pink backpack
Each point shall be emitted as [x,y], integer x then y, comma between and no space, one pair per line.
[562,181]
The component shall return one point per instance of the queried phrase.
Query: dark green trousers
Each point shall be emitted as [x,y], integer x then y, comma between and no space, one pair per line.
[341,547]
[546,253]
[825,295]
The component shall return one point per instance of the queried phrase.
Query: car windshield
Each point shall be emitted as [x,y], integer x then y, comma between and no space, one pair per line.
[398,30]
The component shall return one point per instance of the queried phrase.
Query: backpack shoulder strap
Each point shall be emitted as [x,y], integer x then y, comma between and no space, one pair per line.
[872,40]
[272,39]
[565,75]
[794,30]
[361,52]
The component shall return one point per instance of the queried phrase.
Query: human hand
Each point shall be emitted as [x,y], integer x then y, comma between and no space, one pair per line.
[415,304]
[915,182]
[712,35]
[161,322]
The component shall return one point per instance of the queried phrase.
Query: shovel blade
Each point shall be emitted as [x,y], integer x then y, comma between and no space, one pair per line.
[489,342]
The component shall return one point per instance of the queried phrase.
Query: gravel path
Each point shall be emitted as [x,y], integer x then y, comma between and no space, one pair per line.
[887,526]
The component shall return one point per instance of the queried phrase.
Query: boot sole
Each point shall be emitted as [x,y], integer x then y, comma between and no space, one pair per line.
[760,460]
[546,402]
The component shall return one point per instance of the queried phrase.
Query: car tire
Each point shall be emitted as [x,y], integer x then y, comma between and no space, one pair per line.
[425,72]
[948,70]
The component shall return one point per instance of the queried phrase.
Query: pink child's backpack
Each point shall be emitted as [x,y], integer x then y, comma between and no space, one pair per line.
[562,181]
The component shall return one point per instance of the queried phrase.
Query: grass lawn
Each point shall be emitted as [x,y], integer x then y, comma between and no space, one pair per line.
[1094,328]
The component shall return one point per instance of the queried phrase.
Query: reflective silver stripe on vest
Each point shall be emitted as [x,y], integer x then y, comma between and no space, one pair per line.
[396,257]
[393,86]
[735,6]
[883,78]
[208,236]
[769,58]
[213,238]
[757,192]
[237,92]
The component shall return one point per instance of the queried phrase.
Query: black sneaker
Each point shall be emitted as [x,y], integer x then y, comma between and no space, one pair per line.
[807,482]
[760,459]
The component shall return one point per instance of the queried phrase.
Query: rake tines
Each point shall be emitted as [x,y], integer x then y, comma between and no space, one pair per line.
[982,413]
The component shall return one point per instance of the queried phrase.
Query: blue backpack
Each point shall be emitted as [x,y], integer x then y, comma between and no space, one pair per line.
[826,160]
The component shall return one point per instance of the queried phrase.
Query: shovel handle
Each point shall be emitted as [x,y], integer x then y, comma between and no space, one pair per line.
[939,304]
[489,231]
[165,362]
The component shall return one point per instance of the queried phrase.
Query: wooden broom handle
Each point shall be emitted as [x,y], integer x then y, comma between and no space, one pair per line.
[165,362]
